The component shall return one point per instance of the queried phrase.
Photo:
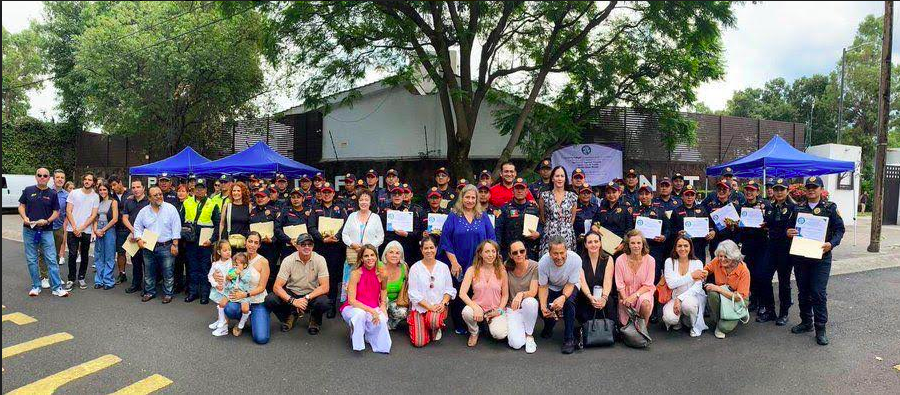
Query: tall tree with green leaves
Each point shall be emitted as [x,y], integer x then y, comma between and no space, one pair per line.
[172,72]
[647,54]
[22,72]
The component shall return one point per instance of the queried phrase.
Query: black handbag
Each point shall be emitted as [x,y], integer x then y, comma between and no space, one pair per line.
[189,229]
[598,332]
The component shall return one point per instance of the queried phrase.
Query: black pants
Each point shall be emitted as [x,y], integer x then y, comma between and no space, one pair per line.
[282,309]
[456,308]
[568,315]
[181,265]
[755,257]
[812,281]
[137,271]
[78,246]
[778,259]
[700,248]
[335,255]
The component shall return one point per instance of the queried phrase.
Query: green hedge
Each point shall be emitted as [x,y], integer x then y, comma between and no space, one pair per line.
[29,143]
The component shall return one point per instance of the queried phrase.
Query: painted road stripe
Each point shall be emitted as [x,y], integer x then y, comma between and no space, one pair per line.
[897,368]
[50,384]
[35,344]
[148,385]
[18,318]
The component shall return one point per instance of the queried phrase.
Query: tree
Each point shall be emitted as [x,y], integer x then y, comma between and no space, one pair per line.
[650,54]
[22,70]
[172,72]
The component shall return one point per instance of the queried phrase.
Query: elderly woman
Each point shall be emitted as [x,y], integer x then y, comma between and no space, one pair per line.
[430,291]
[684,276]
[731,276]
[395,271]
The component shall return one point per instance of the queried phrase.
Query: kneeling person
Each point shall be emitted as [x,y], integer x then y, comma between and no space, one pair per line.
[301,287]
[559,275]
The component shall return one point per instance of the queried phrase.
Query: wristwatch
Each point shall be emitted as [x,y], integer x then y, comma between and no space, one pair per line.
[306,297]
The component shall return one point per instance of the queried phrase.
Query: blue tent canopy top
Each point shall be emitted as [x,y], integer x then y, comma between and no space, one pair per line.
[181,164]
[779,159]
[259,160]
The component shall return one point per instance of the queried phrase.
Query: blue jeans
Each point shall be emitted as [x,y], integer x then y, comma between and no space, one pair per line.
[568,314]
[160,259]
[198,267]
[105,259]
[48,251]
[259,320]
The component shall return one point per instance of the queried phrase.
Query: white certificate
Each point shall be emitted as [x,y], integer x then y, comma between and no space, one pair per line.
[696,226]
[149,237]
[265,229]
[808,248]
[294,231]
[587,226]
[399,220]
[649,227]
[436,222]
[727,212]
[205,235]
[751,217]
[529,224]
[812,226]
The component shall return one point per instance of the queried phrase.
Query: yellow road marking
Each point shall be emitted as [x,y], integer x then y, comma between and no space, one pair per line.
[50,384]
[897,368]
[35,344]
[148,385]
[18,318]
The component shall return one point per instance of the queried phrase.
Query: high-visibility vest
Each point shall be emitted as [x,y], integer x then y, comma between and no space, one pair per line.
[190,210]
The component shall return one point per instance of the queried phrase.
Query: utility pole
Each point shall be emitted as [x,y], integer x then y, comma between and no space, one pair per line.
[840,123]
[884,102]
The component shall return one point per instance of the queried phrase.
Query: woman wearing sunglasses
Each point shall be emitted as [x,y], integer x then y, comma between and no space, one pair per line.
[522,310]
[430,290]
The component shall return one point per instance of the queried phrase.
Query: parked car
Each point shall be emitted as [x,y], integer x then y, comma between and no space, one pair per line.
[13,185]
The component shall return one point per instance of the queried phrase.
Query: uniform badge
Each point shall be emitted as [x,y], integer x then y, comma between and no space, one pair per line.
[268,213]
[307,213]
[630,210]
[618,210]
[784,210]
[817,210]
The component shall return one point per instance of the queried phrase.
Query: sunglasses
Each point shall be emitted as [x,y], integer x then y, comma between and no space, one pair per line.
[306,245]
[43,176]
[518,252]
[432,283]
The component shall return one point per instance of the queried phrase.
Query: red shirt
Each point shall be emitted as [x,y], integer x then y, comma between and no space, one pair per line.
[500,195]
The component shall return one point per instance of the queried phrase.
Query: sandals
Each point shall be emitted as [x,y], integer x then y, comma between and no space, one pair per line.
[473,340]
[236,331]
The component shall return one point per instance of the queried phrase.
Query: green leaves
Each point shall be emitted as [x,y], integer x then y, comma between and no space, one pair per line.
[22,71]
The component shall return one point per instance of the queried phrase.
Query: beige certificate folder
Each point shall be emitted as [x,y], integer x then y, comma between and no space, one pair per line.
[808,248]
[610,240]
[149,237]
[530,224]
[265,229]
[295,230]
[205,235]
[131,248]
[330,226]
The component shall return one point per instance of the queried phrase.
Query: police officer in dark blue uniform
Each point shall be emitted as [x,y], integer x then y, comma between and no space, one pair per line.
[578,182]
[433,199]
[779,217]
[263,212]
[812,274]
[165,185]
[645,208]
[409,240]
[485,177]
[666,200]
[614,213]
[511,220]
[295,213]
[691,209]
[677,184]
[348,194]
[329,246]
[382,196]
[722,197]
[585,210]
[442,183]
[543,184]
[281,184]
[630,193]
[753,247]
[309,193]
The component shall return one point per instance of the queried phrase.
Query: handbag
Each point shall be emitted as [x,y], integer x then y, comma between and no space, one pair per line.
[598,332]
[189,229]
[633,333]
[236,240]
[403,296]
[731,309]
[663,292]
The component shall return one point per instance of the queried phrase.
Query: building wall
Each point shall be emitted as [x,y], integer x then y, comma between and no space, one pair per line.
[846,200]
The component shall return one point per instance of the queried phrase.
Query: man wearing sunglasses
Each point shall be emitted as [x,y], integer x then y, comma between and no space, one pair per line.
[301,287]
[39,207]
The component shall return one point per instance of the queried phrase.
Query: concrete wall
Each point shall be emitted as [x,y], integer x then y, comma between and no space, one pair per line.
[395,124]
[846,200]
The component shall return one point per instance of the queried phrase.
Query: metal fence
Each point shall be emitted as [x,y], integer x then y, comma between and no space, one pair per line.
[105,155]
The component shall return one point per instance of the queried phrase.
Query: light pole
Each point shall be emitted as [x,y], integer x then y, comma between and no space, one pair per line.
[840,124]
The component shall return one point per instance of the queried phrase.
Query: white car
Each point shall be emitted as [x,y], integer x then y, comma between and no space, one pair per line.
[13,185]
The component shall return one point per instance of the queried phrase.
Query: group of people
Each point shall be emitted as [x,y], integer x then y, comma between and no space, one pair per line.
[505,254]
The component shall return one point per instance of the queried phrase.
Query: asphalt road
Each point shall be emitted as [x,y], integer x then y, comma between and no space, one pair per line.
[173,341]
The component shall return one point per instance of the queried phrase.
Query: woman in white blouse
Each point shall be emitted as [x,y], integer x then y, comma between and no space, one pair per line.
[362,227]
[430,290]
[684,276]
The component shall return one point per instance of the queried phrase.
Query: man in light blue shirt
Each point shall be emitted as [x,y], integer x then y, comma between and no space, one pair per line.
[559,275]
[162,219]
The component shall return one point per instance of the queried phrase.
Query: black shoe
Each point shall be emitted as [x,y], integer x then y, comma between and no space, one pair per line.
[782,320]
[166,299]
[821,336]
[313,327]
[131,290]
[108,287]
[802,327]
[568,347]
[122,278]
[753,306]
[765,315]
[97,286]
[579,340]
[546,333]
[147,297]
[177,289]
[330,314]
[204,300]
[190,298]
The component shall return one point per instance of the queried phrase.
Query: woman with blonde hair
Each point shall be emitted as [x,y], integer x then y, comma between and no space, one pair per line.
[488,280]
[634,273]
[394,269]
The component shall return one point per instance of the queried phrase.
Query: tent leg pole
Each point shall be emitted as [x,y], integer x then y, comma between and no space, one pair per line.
[765,195]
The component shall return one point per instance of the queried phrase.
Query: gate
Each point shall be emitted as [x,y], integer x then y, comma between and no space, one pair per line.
[891,194]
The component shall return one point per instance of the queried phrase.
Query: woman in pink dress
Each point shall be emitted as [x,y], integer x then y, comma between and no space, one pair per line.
[365,310]
[634,277]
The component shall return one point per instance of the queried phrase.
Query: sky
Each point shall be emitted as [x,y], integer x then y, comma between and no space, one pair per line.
[770,40]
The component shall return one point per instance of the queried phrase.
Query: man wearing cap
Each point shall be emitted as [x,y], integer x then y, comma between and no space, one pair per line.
[309,192]
[485,177]
[409,240]
[578,184]
[165,184]
[224,189]
[666,200]
[502,193]
[544,169]
[511,221]
[484,197]
[770,182]
[301,287]
[382,197]
[407,198]
[585,210]
[779,217]
[812,274]
[434,207]
[391,179]
[318,180]
[263,212]
[690,208]
[253,182]
[329,245]
[203,212]
[348,195]
[721,198]
[442,180]
[753,247]
[630,190]
[275,198]
[281,185]
[677,184]
[727,179]
[292,214]
[614,213]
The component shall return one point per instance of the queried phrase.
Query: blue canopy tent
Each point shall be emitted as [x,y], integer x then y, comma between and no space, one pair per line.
[258,160]
[779,159]
[181,164]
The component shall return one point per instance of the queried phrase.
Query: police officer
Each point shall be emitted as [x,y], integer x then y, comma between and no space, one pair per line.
[281,184]
[292,214]
[769,191]
[578,183]
[484,197]
[645,208]
[614,213]
[409,240]
[691,209]
[727,179]
[585,210]
[722,197]
[442,181]
[224,191]
[543,184]
[204,212]
[391,179]
[348,195]
[165,184]
[753,247]
[329,246]
[677,184]
[666,200]
[485,177]
[779,217]
[511,220]
[274,198]
[407,198]
[382,197]
[260,213]
[318,180]
[812,274]
[630,193]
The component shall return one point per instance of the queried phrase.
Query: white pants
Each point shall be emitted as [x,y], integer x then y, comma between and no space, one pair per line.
[690,307]
[521,322]
[498,327]
[362,330]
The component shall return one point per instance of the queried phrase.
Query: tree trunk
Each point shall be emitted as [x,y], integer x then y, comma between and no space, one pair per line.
[460,166]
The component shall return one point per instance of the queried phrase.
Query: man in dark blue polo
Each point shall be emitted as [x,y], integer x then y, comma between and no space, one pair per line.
[39,207]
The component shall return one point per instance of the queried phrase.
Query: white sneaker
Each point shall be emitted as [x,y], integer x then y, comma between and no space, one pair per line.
[45,283]
[530,345]
[61,293]
[719,334]
[82,284]
[676,327]
[696,333]
[61,260]
[220,331]
[68,285]
[34,292]
[216,324]
[78,260]
[438,335]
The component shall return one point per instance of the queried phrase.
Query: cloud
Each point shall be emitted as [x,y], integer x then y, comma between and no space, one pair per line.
[786,39]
